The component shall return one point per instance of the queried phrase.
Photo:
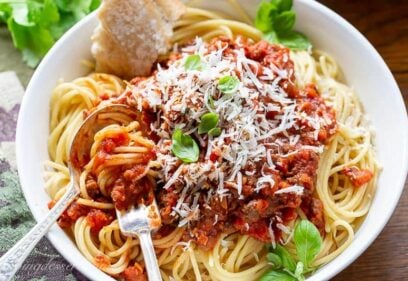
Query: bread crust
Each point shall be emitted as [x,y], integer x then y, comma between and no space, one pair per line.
[132,34]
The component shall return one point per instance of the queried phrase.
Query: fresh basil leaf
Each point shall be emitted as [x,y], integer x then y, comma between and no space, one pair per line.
[307,241]
[228,84]
[63,5]
[34,11]
[30,58]
[43,14]
[67,20]
[208,121]
[277,275]
[33,41]
[282,5]
[95,4]
[271,37]
[5,12]
[284,22]
[265,16]
[295,41]
[214,132]
[288,261]
[184,147]
[193,62]
[35,25]
[286,5]
[274,259]
[299,271]
[20,14]
[49,13]
[79,8]
[276,20]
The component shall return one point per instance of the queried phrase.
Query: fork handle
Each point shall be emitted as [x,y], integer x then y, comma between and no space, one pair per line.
[152,267]
[11,261]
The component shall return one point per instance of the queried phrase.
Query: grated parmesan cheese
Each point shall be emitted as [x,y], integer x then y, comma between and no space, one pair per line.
[297,189]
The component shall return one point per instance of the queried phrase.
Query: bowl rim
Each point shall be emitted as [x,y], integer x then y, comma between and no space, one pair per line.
[332,268]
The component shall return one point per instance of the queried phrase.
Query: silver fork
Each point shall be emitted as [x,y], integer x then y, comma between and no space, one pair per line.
[140,222]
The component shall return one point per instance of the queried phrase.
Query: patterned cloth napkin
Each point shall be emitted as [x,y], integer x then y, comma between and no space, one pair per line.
[44,263]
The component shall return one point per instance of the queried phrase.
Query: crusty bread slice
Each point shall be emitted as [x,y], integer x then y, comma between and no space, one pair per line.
[132,34]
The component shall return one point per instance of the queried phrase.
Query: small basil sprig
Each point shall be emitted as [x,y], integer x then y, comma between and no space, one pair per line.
[208,124]
[307,241]
[284,266]
[193,62]
[214,132]
[228,84]
[184,147]
[277,275]
[276,20]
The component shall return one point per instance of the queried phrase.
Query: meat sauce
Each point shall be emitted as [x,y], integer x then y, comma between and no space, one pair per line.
[134,273]
[258,212]
[358,177]
[254,213]
[129,188]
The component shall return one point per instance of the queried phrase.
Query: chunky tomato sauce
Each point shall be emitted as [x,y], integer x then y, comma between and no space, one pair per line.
[358,177]
[256,213]
[260,210]
[128,189]
[134,273]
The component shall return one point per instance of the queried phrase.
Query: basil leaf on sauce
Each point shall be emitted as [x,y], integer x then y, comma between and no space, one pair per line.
[193,62]
[184,147]
[277,275]
[307,241]
[282,5]
[208,122]
[295,41]
[265,16]
[214,132]
[299,272]
[285,22]
[271,37]
[274,259]
[288,261]
[228,84]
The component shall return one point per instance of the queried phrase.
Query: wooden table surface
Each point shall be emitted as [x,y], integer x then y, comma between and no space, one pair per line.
[385,24]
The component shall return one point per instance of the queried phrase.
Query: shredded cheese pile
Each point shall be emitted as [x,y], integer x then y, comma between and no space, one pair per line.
[180,97]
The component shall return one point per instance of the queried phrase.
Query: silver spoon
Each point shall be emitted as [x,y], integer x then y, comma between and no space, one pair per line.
[11,261]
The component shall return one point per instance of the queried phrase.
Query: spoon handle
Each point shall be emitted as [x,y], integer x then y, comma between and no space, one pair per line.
[152,267]
[11,261]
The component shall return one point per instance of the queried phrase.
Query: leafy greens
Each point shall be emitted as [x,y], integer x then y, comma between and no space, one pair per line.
[228,84]
[193,62]
[35,25]
[276,20]
[208,122]
[184,147]
[284,266]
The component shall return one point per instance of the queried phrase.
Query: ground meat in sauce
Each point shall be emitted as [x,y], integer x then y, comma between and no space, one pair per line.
[97,219]
[130,187]
[72,214]
[253,213]
[134,273]
[358,177]
[256,212]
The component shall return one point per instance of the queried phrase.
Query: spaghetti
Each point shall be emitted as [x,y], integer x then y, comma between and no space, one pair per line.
[120,152]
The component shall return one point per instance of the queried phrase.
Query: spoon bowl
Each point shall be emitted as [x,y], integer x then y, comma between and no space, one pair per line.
[12,260]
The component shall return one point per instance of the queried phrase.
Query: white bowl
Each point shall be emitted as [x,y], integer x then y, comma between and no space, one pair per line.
[364,69]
